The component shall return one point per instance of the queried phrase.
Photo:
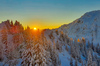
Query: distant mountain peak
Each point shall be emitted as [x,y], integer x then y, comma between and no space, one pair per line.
[92,12]
[91,15]
[86,26]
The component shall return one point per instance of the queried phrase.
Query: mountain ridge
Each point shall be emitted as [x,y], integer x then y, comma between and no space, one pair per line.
[85,26]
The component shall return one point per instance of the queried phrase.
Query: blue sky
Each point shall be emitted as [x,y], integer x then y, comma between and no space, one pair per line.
[45,13]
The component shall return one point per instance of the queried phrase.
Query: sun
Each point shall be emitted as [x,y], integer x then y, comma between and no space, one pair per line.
[35,28]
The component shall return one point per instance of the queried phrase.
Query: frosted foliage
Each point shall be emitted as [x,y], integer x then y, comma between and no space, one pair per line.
[89,62]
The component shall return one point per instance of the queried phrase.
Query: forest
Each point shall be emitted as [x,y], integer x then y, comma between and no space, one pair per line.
[21,46]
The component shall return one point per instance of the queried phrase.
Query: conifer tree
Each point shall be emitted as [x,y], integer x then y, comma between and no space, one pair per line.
[4,40]
[71,62]
[11,24]
[89,61]
[76,63]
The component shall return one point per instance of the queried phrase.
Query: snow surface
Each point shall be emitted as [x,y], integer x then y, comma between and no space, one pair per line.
[85,26]
[65,58]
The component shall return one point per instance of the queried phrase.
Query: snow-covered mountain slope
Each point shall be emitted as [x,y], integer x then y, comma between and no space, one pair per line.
[87,26]
[57,47]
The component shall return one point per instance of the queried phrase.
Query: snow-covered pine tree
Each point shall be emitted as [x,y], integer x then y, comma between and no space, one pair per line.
[28,57]
[57,32]
[54,54]
[76,64]
[1,52]
[4,40]
[58,46]
[89,61]
[16,23]
[36,56]
[77,49]
[98,48]
[51,36]
[7,23]
[36,53]
[96,30]
[67,48]
[11,24]
[42,56]
[83,47]
[4,35]
[71,62]
[94,63]
[72,50]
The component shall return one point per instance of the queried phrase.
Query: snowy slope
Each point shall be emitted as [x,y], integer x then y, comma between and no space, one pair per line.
[65,58]
[65,49]
[86,26]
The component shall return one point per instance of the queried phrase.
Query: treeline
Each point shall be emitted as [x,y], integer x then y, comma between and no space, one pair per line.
[81,50]
[30,46]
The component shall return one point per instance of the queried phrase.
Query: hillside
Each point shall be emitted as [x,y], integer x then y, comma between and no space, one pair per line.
[83,31]
[74,44]
[87,26]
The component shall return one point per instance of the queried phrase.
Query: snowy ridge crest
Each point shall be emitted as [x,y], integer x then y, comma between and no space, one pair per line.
[85,26]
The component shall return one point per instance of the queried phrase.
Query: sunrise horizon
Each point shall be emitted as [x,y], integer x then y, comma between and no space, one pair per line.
[45,14]
[49,32]
[38,26]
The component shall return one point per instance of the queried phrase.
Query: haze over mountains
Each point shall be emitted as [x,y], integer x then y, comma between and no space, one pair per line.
[74,44]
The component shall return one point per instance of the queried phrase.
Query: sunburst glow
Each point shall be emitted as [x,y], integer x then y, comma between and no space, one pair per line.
[35,28]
